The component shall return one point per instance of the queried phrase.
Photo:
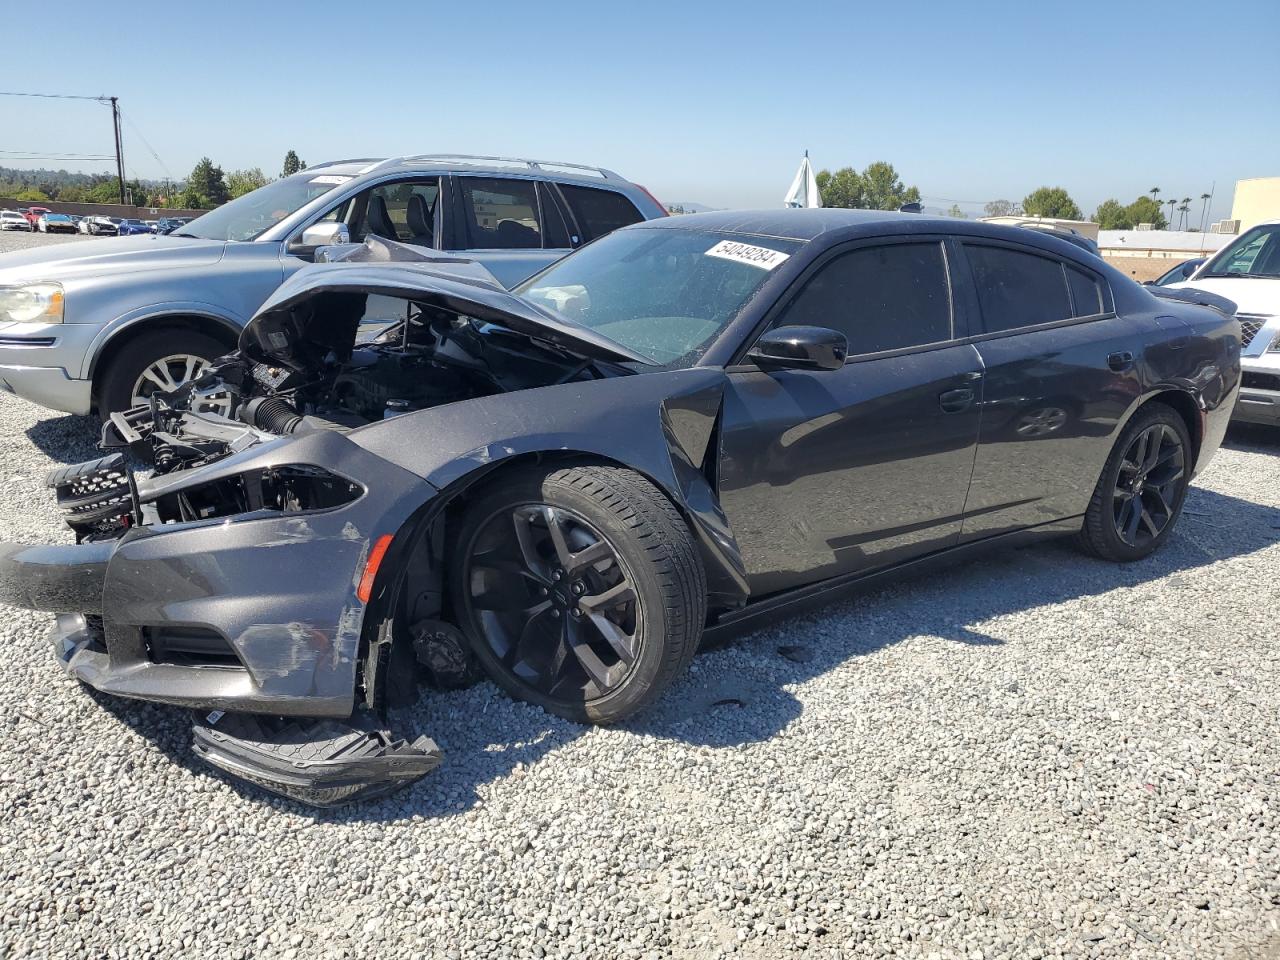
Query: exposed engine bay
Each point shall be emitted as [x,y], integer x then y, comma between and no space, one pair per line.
[332,363]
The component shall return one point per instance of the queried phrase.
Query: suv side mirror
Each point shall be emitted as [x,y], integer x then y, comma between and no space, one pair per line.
[320,235]
[800,348]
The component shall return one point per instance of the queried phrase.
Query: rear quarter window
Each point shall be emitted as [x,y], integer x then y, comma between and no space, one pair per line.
[599,211]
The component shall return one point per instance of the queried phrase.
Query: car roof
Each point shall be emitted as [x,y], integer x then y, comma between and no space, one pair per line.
[829,226]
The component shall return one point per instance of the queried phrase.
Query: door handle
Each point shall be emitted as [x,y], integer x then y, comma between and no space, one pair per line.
[1120,360]
[954,401]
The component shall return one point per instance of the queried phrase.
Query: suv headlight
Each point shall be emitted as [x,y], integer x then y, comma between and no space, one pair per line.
[32,303]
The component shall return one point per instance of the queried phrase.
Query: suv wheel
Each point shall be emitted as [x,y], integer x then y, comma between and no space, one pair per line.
[159,362]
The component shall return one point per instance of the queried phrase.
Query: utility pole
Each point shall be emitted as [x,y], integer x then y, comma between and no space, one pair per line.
[115,119]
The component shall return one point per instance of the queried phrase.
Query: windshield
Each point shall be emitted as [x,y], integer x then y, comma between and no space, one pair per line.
[1255,254]
[247,217]
[665,294]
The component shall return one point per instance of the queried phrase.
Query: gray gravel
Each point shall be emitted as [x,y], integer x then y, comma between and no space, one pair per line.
[1036,755]
[16,240]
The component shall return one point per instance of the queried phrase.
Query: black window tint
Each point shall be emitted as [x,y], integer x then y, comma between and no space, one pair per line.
[1086,293]
[501,214]
[599,211]
[1018,289]
[881,298]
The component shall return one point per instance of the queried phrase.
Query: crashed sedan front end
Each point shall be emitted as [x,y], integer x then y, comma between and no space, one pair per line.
[241,578]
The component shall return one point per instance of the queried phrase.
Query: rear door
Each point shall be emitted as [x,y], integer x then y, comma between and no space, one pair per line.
[507,223]
[1061,369]
[824,473]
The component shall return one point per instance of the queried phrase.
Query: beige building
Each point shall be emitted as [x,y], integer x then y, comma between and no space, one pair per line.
[1256,200]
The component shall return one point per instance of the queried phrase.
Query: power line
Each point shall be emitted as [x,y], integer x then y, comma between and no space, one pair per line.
[54,96]
[42,155]
[152,150]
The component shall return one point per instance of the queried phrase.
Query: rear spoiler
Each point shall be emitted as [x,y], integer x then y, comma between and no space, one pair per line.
[1200,297]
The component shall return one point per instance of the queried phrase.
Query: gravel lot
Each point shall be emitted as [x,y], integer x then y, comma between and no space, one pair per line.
[1036,755]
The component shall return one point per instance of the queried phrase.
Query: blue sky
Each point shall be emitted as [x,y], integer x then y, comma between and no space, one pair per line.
[709,102]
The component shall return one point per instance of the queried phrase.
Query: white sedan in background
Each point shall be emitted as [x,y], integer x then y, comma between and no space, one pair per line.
[13,220]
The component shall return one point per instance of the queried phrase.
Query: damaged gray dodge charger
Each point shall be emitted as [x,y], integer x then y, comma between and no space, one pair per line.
[681,427]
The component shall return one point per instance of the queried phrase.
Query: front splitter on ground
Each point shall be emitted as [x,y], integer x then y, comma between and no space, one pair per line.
[323,763]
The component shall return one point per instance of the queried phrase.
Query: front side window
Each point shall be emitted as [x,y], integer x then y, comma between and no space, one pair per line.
[665,294]
[403,211]
[880,298]
[599,211]
[1255,254]
[500,214]
[1017,289]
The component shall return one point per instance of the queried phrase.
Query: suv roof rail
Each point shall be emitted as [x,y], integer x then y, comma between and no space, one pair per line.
[334,163]
[549,166]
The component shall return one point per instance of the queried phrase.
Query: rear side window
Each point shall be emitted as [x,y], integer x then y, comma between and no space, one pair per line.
[880,298]
[1086,293]
[501,214]
[599,211]
[1017,289]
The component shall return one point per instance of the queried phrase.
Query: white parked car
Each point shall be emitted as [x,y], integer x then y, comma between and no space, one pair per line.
[99,226]
[1248,273]
[13,220]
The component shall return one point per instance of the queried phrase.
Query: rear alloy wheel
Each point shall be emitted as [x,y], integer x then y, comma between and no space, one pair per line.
[580,589]
[1141,491]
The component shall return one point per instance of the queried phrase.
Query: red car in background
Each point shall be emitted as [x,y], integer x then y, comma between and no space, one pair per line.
[33,214]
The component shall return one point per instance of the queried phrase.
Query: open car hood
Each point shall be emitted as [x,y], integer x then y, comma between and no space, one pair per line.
[385,268]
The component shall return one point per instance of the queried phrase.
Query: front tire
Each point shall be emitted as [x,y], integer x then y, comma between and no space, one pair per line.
[580,590]
[1140,494]
[158,361]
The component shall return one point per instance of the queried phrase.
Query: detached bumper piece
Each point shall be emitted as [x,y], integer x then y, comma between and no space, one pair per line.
[323,763]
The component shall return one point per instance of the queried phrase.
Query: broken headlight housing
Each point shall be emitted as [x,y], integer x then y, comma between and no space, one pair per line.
[294,488]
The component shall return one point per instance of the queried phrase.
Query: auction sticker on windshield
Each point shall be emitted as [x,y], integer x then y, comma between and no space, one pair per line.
[754,256]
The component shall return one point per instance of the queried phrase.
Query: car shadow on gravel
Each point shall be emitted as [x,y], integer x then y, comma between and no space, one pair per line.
[66,439]
[1253,437]
[741,691]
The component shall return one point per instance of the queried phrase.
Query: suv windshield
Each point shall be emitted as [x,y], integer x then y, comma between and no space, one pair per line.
[1255,254]
[248,217]
[665,294]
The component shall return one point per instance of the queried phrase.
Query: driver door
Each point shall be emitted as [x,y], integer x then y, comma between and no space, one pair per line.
[824,473]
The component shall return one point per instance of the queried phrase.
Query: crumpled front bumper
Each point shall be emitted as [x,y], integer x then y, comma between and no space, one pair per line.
[258,613]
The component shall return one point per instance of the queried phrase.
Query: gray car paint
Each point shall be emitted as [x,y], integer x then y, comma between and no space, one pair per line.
[281,589]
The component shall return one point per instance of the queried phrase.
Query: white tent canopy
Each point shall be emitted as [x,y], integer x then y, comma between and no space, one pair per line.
[804,188]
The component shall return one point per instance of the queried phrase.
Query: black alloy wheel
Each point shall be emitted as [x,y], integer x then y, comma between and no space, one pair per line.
[1142,488]
[554,601]
[1147,486]
[580,589]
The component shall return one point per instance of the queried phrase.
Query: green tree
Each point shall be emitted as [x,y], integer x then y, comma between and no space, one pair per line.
[1145,210]
[883,190]
[240,182]
[206,186]
[1001,208]
[956,212]
[31,193]
[1112,215]
[840,189]
[292,164]
[1051,202]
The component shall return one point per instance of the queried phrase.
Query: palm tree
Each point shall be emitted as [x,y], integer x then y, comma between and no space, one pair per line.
[1155,193]
[1204,210]
[1172,204]
[1184,208]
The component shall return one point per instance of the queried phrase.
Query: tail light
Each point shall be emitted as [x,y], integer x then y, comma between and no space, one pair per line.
[645,191]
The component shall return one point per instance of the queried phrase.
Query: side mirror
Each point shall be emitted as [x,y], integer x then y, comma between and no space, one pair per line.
[800,348]
[321,235]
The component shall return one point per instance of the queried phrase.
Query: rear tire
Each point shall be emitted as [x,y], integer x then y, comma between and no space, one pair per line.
[143,353]
[579,588]
[1139,496]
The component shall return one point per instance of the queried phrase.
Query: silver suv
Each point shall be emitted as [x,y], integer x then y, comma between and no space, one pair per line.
[100,325]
